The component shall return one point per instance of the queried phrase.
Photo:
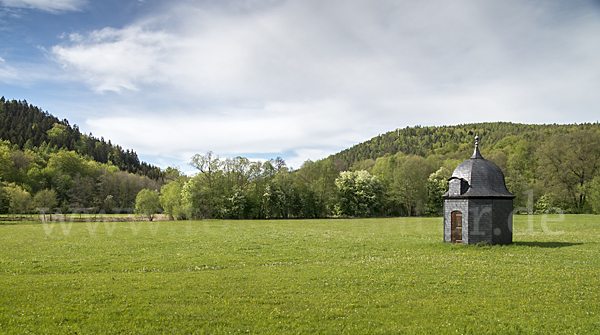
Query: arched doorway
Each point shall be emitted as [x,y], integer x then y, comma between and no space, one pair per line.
[456,227]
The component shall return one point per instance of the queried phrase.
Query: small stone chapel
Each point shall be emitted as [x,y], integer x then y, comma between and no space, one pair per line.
[478,207]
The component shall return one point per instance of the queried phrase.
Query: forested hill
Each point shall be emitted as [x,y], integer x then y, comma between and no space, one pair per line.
[449,141]
[27,126]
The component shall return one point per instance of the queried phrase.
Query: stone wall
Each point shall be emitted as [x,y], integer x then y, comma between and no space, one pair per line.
[451,205]
[480,221]
[484,220]
[502,221]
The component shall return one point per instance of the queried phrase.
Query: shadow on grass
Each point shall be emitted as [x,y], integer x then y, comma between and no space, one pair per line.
[547,244]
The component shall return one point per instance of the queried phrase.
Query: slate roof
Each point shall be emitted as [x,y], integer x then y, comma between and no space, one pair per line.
[485,178]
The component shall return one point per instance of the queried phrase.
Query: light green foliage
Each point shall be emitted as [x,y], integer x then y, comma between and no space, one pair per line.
[383,167]
[172,173]
[359,193]
[147,203]
[123,187]
[237,173]
[19,199]
[208,163]
[6,162]
[171,199]
[57,132]
[37,179]
[308,192]
[437,185]
[359,276]
[546,203]
[69,162]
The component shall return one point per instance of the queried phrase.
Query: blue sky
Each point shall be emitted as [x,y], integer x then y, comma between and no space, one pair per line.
[298,79]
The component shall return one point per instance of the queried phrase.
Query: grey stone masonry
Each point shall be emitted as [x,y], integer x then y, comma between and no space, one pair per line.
[477,190]
[480,221]
[503,221]
[451,205]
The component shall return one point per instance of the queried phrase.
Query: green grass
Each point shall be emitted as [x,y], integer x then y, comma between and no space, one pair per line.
[298,276]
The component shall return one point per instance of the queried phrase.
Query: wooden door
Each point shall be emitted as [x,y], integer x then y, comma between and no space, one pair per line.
[456,227]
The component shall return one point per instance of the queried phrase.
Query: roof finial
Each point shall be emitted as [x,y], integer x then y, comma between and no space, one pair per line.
[476,153]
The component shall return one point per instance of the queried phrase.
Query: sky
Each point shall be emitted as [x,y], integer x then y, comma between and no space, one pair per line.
[300,79]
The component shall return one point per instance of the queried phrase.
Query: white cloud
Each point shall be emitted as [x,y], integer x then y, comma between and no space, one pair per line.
[112,60]
[231,132]
[52,6]
[299,50]
[312,77]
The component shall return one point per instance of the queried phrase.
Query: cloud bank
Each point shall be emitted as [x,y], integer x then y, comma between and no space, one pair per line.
[313,76]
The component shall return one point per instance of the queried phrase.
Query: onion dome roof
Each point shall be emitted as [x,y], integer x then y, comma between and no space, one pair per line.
[484,178]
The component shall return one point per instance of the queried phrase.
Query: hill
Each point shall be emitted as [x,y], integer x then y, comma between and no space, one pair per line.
[545,166]
[27,126]
[403,172]
[450,141]
[47,163]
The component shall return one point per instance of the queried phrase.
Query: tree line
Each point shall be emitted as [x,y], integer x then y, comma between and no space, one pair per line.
[556,170]
[43,177]
[237,188]
[561,171]
[45,163]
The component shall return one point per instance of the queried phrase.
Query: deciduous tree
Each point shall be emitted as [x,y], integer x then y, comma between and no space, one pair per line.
[359,193]
[567,163]
[437,185]
[407,186]
[45,201]
[147,203]
[171,200]
[19,199]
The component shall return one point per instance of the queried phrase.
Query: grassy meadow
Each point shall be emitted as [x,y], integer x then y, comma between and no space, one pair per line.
[367,276]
